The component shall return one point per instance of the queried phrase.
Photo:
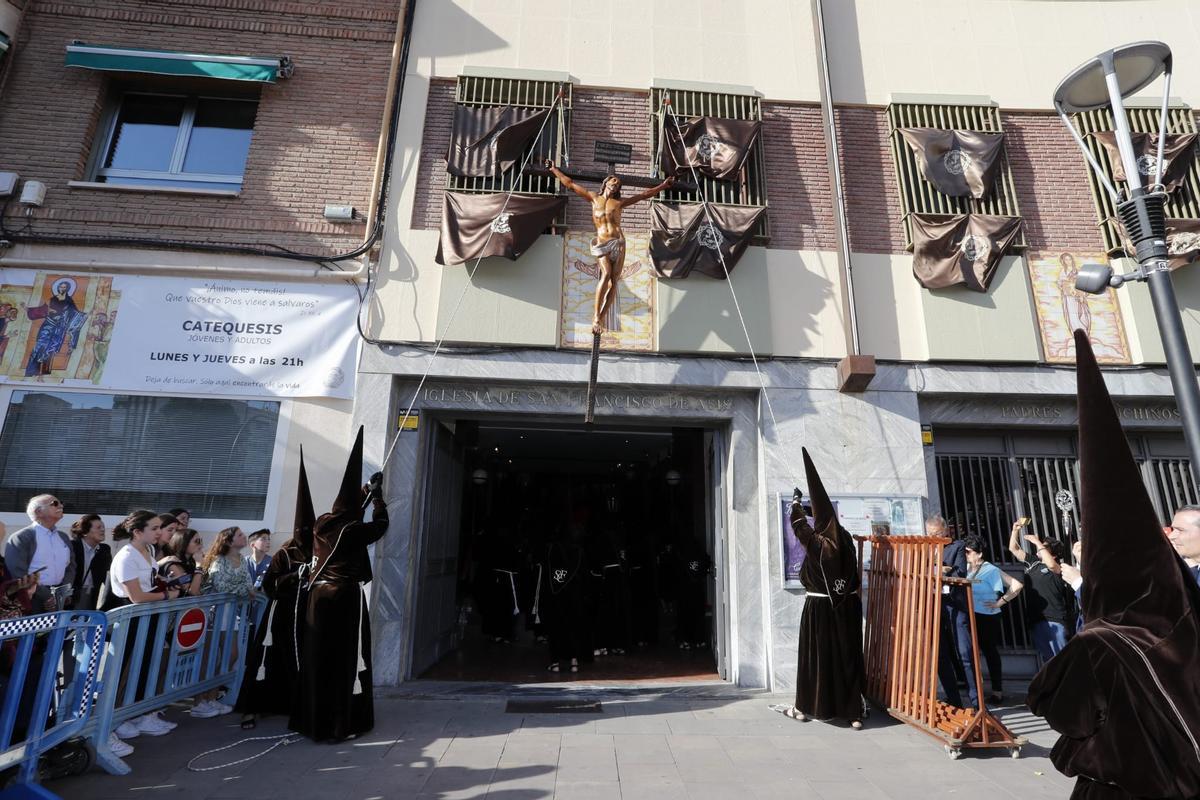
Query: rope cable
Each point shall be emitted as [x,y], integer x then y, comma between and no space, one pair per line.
[282,739]
[467,285]
[704,204]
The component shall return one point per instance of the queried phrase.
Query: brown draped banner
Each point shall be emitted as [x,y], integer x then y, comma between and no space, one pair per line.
[958,163]
[715,146]
[1183,242]
[468,220]
[1178,154]
[683,241]
[966,248]
[487,142]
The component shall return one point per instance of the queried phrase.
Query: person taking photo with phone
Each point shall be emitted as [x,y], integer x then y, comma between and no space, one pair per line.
[1049,603]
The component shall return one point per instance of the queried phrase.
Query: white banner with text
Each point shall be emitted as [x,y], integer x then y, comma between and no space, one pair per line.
[202,336]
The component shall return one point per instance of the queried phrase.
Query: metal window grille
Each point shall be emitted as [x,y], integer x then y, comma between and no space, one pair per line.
[979,496]
[1183,204]
[1175,483]
[919,196]
[481,92]
[985,494]
[750,188]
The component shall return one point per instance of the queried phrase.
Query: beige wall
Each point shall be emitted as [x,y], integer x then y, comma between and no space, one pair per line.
[10,17]
[324,428]
[891,324]
[1141,326]
[1016,51]
[625,43]
[962,325]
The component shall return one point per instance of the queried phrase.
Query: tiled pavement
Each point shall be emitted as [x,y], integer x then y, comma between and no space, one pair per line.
[448,741]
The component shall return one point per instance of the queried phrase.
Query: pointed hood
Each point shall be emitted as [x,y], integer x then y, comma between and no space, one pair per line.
[823,510]
[1132,575]
[349,496]
[306,515]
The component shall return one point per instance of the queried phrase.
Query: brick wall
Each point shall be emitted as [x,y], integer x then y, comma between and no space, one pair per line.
[1049,172]
[869,179]
[1050,175]
[314,138]
[797,188]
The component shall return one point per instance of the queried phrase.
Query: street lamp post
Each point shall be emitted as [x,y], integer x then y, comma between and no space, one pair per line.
[1105,81]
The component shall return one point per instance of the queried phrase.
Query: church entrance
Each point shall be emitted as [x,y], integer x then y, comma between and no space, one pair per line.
[554,551]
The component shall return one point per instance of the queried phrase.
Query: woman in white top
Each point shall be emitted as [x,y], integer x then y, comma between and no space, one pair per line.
[131,578]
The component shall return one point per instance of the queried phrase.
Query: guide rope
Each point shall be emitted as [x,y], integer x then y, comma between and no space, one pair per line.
[282,739]
[466,285]
[782,455]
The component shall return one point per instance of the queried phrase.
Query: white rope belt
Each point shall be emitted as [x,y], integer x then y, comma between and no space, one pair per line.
[512,583]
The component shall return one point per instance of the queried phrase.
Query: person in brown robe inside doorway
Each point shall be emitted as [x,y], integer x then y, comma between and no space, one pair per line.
[269,684]
[1125,692]
[335,698]
[830,675]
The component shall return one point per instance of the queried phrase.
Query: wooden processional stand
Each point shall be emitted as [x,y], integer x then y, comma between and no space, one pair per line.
[903,631]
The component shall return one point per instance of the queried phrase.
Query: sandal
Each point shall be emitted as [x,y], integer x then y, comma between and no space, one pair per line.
[248,722]
[856,724]
[791,712]
[553,667]
[574,665]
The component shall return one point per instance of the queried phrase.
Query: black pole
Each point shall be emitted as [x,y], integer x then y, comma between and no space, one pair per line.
[1179,359]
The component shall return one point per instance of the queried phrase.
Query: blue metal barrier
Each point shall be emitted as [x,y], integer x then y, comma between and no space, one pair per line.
[38,712]
[147,668]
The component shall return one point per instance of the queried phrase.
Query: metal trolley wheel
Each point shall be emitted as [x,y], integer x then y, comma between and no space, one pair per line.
[955,753]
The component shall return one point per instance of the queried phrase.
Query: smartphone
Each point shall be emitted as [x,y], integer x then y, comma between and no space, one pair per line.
[38,570]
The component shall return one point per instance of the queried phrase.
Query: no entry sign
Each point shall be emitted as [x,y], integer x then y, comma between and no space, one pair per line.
[190,628]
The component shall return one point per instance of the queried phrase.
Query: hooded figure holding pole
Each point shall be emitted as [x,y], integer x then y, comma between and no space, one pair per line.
[1124,693]
[335,699]
[270,681]
[830,676]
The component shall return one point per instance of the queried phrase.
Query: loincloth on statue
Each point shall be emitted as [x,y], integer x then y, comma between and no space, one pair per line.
[614,249]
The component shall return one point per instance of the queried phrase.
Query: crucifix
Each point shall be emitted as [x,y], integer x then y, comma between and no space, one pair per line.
[608,246]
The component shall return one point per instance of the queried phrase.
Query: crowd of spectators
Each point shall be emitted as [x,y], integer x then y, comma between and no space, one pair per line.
[153,558]
[1051,585]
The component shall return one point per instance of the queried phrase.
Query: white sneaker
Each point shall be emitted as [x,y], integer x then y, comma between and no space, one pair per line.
[220,707]
[150,725]
[204,710]
[170,725]
[119,748]
[127,730]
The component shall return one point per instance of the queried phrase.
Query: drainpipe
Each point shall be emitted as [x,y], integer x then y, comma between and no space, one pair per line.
[286,269]
[856,370]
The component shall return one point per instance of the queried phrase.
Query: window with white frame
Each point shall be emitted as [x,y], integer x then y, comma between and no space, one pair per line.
[180,141]
[111,454]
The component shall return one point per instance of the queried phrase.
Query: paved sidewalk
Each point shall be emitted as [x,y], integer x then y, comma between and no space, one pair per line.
[448,741]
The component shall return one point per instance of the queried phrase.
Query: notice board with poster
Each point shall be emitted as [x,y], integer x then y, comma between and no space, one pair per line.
[860,515]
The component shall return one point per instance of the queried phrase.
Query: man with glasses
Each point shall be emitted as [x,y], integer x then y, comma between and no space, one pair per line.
[42,549]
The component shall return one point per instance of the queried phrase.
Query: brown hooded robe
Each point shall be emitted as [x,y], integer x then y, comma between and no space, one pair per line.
[1125,692]
[269,684]
[830,675]
[336,699]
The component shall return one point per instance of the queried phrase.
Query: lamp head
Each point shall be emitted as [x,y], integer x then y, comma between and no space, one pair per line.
[1095,278]
[1135,66]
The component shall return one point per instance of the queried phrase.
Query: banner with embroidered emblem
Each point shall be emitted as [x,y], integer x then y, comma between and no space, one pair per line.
[1183,242]
[715,146]
[957,163]
[475,225]
[965,248]
[487,142]
[1178,155]
[683,240]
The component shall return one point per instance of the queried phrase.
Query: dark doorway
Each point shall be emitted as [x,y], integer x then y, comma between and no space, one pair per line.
[614,518]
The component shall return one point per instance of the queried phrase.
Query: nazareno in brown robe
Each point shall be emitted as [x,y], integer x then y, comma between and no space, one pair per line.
[335,691]
[830,674]
[1125,692]
[269,685]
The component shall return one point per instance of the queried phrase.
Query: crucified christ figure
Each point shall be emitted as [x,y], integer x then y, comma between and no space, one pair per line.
[609,245]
